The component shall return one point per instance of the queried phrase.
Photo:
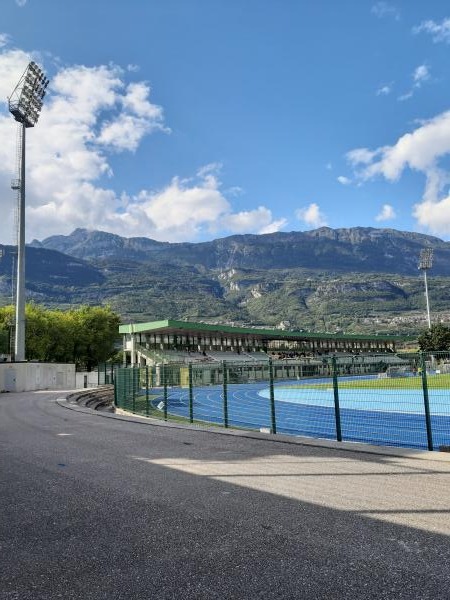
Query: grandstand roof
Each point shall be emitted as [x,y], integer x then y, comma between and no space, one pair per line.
[170,326]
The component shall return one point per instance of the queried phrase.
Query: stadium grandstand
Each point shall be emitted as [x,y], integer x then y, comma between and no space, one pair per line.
[182,342]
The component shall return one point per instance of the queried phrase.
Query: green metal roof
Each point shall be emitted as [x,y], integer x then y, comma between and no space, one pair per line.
[168,325]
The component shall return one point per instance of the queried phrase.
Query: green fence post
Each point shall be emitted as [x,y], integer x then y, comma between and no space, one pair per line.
[337,410]
[273,419]
[191,396]
[225,394]
[112,373]
[147,399]
[426,401]
[115,392]
[124,398]
[163,366]
[129,384]
[129,380]
[133,388]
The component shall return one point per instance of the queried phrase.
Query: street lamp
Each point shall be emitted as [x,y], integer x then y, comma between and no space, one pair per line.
[25,104]
[425,263]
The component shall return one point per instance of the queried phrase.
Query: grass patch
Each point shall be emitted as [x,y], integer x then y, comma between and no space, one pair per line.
[436,382]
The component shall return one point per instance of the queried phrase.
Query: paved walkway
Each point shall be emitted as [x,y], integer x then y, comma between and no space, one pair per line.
[95,506]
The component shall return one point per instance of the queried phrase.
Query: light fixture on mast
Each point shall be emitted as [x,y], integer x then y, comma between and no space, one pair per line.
[26,100]
[425,263]
[25,104]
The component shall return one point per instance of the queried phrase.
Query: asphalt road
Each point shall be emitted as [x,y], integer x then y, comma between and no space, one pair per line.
[93,507]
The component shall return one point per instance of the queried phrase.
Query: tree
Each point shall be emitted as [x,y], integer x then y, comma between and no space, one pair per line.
[85,336]
[435,339]
[94,332]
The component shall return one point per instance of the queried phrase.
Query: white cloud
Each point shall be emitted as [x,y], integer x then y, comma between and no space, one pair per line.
[384,90]
[419,76]
[259,220]
[329,167]
[13,63]
[186,208]
[421,150]
[418,150]
[126,132]
[90,114]
[387,213]
[440,32]
[360,156]
[181,211]
[343,180]
[210,172]
[136,101]
[405,96]
[234,191]
[4,39]
[182,208]
[384,9]
[311,215]
[434,215]
[274,226]
[21,3]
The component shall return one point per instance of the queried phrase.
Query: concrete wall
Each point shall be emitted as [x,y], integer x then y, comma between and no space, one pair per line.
[85,379]
[25,377]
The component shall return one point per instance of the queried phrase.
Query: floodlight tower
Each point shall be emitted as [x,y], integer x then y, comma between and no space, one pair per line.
[425,263]
[25,104]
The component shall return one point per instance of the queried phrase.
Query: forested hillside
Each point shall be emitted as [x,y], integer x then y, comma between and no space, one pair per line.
[360,279]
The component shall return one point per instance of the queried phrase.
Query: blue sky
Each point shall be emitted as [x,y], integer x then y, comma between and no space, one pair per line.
[186,120]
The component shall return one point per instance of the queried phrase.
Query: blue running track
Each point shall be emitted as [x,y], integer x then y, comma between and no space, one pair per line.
[388,417]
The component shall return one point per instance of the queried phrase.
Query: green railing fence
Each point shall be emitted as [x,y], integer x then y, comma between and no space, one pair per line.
[401,400]
[106,373]
[5,346]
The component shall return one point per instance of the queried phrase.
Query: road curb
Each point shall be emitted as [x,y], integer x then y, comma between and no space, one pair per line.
[358,447]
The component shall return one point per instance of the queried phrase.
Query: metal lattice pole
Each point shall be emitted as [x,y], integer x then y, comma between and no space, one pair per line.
[19,345]
[25,104]
[425,263]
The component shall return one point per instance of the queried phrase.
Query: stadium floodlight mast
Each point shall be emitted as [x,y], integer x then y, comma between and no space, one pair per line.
[25,104]
[425,263]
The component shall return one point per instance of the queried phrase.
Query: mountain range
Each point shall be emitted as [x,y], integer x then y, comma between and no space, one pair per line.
[356,279]
[361,249]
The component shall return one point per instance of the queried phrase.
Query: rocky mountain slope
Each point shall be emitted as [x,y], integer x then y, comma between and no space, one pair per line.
[359,279]
[361,249]
[48,273]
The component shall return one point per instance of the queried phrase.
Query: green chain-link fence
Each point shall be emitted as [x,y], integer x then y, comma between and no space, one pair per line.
[106,373]
[401,400]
